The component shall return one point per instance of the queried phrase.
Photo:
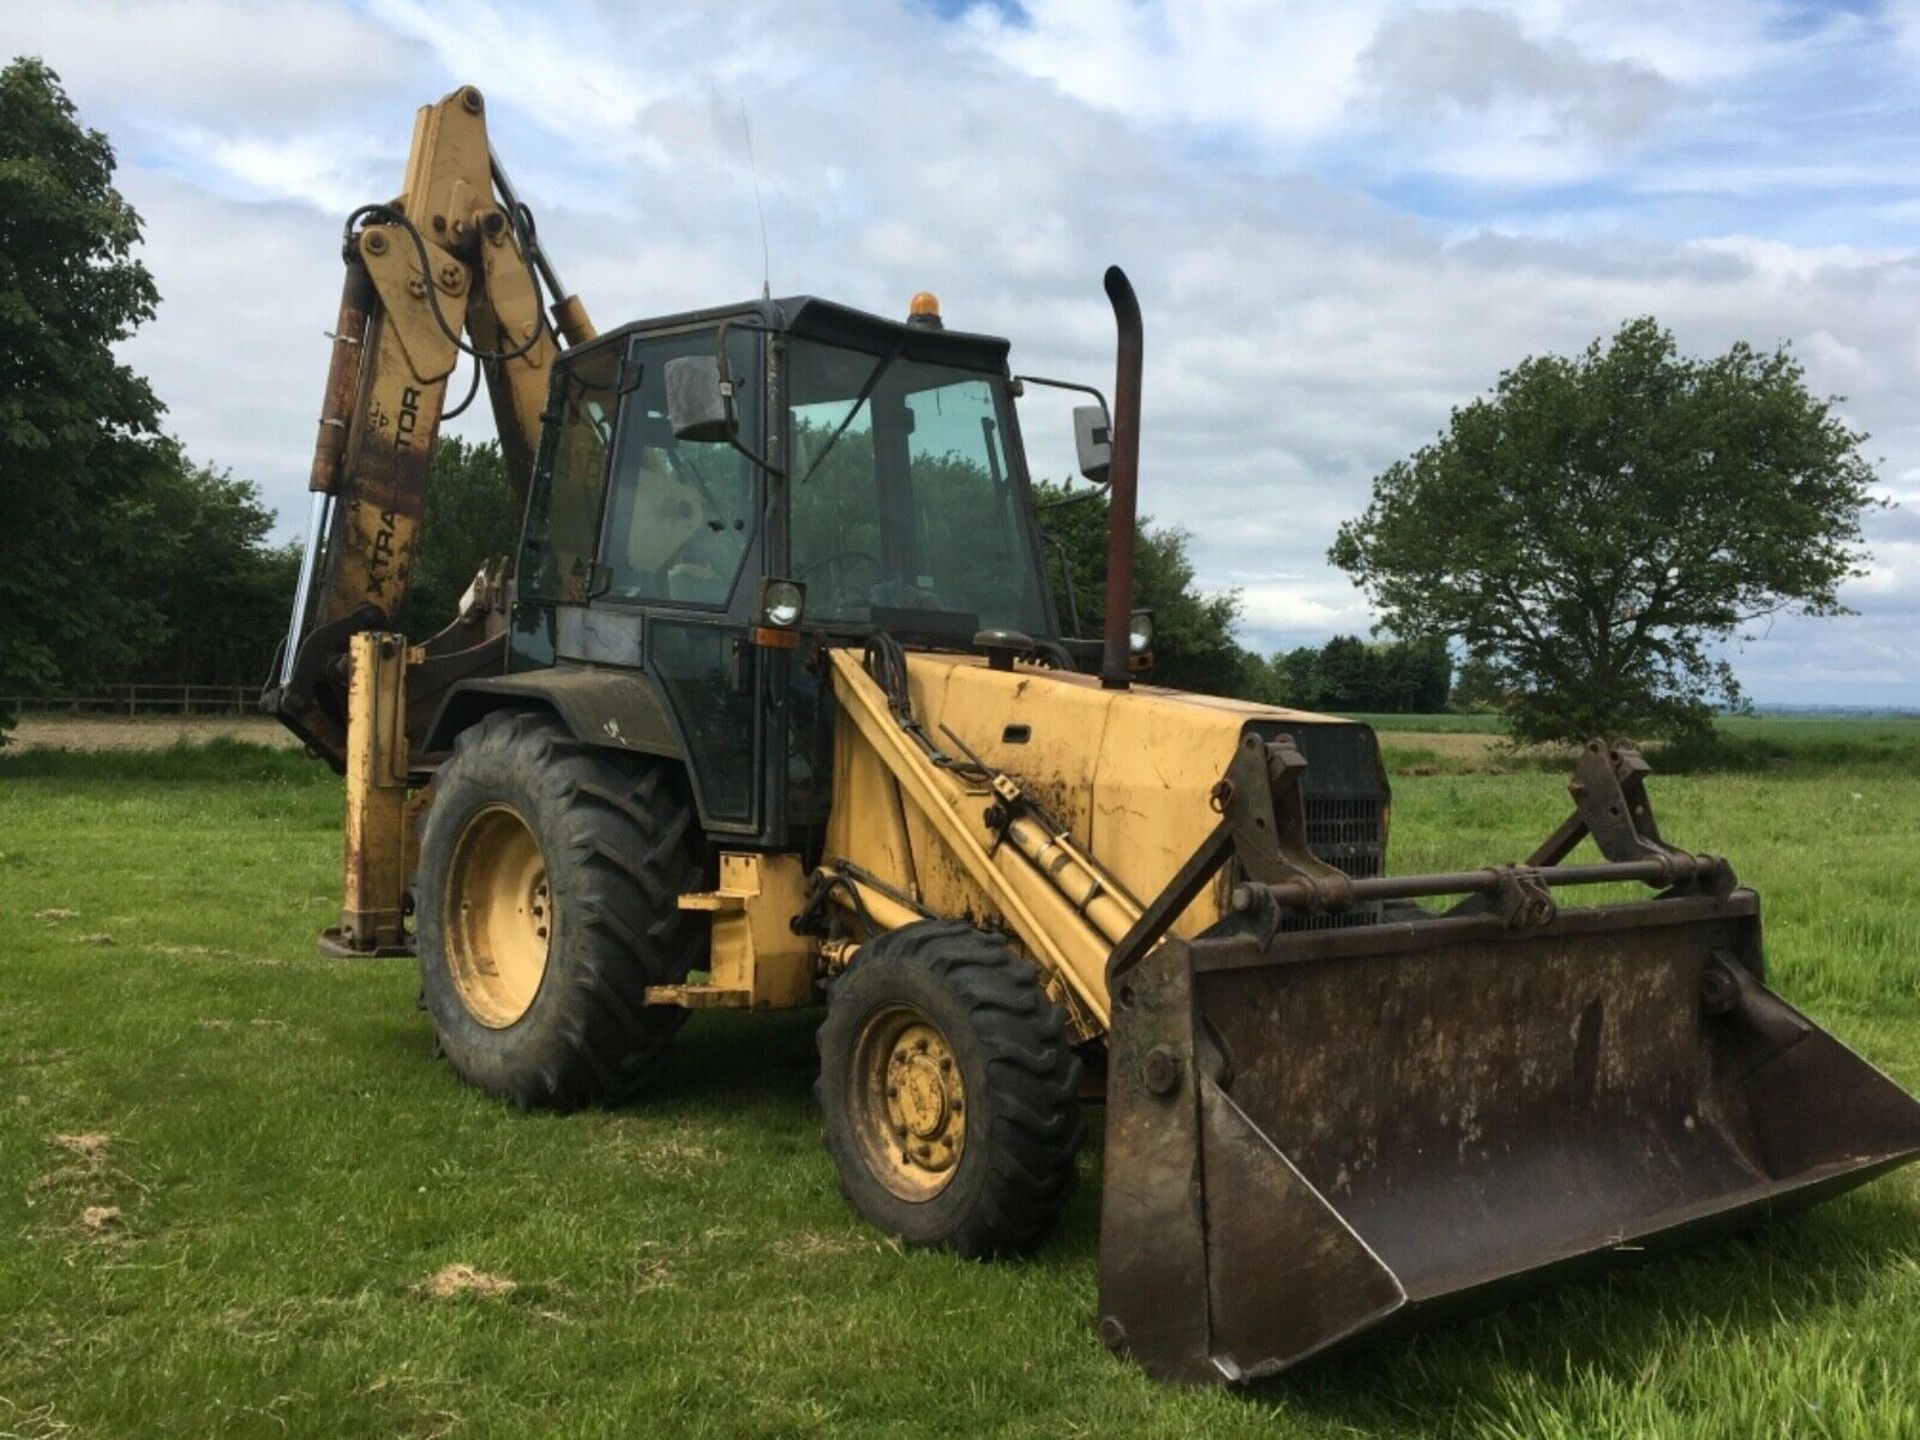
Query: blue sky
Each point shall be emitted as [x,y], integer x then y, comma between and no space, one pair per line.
[1343,220]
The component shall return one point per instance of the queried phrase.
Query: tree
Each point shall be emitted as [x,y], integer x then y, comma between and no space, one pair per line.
[1194,645]
[1608,519]
[1347,675]
[1296,680]
[1413,676]
[78,429]
[222,590]
[120,559]
[1478,687]
[470,518]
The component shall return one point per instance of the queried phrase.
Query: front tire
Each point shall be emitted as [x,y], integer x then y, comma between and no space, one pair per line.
[948,1091]
[548,879]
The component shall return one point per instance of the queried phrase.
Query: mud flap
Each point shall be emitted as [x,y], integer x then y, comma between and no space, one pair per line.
[1330,1135]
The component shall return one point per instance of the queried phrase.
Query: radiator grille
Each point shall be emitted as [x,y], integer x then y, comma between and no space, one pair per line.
[1344,797]
[1344,831]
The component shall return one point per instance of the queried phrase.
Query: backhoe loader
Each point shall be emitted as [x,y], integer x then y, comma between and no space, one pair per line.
[773,708]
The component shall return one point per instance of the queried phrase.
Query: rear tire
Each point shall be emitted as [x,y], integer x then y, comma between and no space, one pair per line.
[548,876]
[949,1091]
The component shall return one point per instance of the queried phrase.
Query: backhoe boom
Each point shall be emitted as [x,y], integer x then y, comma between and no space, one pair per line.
[450,266]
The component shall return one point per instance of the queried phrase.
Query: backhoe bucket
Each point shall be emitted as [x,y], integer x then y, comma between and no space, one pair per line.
[1336,1133]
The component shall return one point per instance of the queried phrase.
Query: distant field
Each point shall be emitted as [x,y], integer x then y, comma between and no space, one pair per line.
[1434,724]
[236,1189]
[1431,744]
[40,730]
[1784,728]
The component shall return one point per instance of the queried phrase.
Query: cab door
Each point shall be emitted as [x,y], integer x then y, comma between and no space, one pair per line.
[679,544]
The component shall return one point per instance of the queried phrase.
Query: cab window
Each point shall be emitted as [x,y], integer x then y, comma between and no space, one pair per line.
[563,512]
[901,496]
[680,514]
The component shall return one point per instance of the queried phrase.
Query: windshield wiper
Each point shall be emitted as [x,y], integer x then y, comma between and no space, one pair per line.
[866,394]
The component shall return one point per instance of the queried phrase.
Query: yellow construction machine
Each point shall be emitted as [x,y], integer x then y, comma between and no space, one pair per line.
[773,708]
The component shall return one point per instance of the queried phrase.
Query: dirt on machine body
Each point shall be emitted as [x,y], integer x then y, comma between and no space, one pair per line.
[773,707]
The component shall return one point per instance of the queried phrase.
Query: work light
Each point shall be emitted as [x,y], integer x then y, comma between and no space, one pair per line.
[782,602]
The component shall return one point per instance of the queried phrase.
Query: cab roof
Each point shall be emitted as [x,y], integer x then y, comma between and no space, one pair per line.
[808,317]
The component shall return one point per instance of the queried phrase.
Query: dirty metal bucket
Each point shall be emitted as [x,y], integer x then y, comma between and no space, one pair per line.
[1331,1134]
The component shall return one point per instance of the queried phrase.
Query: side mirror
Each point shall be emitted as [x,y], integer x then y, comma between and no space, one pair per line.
[699,401]
[1092,438]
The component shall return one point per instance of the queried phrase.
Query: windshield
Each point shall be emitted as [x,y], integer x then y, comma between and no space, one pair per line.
[901,497]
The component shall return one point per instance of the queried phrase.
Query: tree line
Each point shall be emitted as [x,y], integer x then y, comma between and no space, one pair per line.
[121,557]
[1348,675]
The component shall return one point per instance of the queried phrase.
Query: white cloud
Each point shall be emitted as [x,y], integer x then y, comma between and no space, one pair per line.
[1285,605]
[221,62]
[1288,71]
[1442,65]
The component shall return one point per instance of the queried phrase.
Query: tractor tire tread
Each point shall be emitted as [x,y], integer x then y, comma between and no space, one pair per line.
[1018,1035]
[615,825]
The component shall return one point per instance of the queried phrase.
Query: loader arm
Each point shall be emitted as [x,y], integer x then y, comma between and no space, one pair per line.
[1059,903]
[1319,1132]
[448,267]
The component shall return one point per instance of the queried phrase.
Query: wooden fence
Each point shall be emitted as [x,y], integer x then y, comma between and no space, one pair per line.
[145,700]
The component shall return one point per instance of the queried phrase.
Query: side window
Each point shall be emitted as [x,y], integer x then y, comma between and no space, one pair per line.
[563,512]
[681,513]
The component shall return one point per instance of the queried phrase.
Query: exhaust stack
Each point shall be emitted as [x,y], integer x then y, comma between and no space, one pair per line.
[1123,493]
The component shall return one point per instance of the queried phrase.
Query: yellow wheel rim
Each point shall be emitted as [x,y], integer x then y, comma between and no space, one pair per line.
[909,1104]
[498,918]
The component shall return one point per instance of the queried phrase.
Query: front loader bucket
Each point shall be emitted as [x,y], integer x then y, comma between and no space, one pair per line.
[1335,1133]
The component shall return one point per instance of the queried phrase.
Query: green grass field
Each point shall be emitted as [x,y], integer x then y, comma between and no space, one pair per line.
[231,1171]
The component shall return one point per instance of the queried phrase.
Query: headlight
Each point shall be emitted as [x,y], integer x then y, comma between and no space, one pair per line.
[1140,632]
[782,602]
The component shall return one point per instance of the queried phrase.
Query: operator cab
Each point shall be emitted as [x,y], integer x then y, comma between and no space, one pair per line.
[690,465]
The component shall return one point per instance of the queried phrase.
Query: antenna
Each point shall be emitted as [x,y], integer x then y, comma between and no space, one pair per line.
[766,266]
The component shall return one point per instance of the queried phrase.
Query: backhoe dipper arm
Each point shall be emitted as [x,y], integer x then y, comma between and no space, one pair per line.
[450,266]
